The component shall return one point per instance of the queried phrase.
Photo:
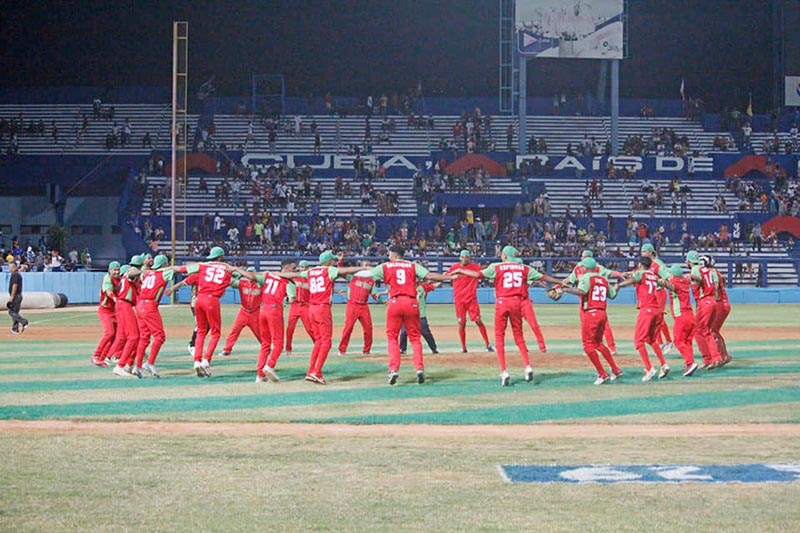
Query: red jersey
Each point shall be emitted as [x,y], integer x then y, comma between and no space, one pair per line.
[723,296]
[320,284]
[511,279]
[401,277]
[360,289]
[708,280]
[152,285]
[464,287]
[302,294]
[646,289]
[128,290]
[597,292]
[273,291]
[249,294]
[680,303]
[111,284]
[212,278]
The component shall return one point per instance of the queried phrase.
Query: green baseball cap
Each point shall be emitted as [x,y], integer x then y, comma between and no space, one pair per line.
[146,255]
[136,260]
[465,253]
[510,252]
[303,264]
[160,261]
[123,269]
[216,251]
[587,253]
[113,264]
[676,270]
[647,247]
[589,263]
[693,257]
[326,256]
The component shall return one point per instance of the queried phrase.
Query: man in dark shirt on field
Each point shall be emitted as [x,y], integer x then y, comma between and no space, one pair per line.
[15,299]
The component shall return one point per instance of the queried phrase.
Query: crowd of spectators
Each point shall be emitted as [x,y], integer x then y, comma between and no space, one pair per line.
[37,257]
[661,141]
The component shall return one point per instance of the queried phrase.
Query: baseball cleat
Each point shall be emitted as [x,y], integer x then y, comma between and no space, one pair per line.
[727,359]
[271,374]
[690,370]
[191,350]
[342,354]
[528,374]
[667,347]
[649,374]
[207,367]
[393,377]
[14,331]
[613,350]
[601,379]
[99,362]
[225,353]
[420,376]
[137,372]
[24,327]
[505,379]
[261,379]
[316,379]
[435,351]
[489,348]
[664,371]
[151,369]
[121,372]
[463,350]
[198,368]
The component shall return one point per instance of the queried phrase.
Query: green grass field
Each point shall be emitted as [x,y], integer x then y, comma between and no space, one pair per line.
[419,458]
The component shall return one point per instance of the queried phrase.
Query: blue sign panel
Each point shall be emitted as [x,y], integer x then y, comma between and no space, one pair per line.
[738,473]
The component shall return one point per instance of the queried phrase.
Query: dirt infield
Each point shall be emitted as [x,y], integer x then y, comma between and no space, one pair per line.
[522,432]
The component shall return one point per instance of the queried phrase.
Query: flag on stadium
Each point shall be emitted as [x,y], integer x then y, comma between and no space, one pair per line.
[750,105]
[683,95]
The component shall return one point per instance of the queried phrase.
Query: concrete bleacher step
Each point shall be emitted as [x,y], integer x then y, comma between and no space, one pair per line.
[617,197]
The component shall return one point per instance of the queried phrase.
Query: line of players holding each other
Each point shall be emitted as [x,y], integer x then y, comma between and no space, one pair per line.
[141,284]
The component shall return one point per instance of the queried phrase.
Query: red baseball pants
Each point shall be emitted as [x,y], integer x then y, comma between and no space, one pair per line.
[322,332]
[647,324]
[703,321]
[682,333]
[207,316]
[108,319]
[270,324]
[244,318]
[509,309]
[530,317]
[150,325]
[356,312]
[403,311]
[126,323]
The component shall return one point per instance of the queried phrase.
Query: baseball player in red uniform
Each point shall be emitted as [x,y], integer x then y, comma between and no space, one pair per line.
[465,299]
[105,312]
[299,297]
[648,321]
[115,351]
[273,294]
[320,286]
[720,315]
[660,269]
[705,285]
[572,281]
[127,326]
[153,284]
[512,279]
[250,303]
[359,290]
[403,308]
[594,291]
[682,316]
[213,278]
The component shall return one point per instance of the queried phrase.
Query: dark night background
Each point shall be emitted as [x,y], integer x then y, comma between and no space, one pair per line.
[723,48]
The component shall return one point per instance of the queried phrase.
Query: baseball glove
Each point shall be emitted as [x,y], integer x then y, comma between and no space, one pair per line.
[555,294]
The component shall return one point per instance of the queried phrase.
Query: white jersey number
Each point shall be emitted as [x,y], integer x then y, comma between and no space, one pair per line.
[512,280]
[215,274]
[316,285]
[599,293]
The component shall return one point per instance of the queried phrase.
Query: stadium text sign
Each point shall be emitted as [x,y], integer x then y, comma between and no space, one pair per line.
[329,161]
[737,473]
[662,163]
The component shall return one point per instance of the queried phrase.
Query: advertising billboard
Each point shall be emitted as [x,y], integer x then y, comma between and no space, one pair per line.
[792,89]
[586,29]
